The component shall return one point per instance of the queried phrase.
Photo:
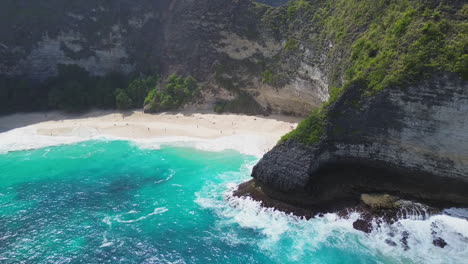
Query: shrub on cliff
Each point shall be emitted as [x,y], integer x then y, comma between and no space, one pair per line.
[139,88]
[75,89]
[70,90]
[17,94]
[70,96]
[176,92]
[122,100]
[268,77]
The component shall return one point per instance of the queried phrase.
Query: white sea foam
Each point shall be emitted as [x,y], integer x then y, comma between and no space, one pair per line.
[107,220]
[308,236]
[106,244]
[105,241]
[458,212]
[172,173]
[27,138]
[419,246]
[245,144]
[159,210]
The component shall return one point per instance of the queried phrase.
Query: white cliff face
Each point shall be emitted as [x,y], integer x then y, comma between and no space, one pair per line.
[302,90]
[300,96]
[140,21]
[238,48]
[99,37]
[43,60]
[187,37]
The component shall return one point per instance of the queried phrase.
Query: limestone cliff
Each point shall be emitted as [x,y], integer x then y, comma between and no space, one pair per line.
[410,141]
[223,44]
[395,122]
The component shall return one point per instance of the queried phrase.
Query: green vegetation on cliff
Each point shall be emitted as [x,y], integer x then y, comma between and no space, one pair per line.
[74,89]
[380,44]
[268,77]
[19,94]
[139,88]
[176,92]
[122,100]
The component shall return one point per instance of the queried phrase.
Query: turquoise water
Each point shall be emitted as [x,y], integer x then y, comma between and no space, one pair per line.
[113,202]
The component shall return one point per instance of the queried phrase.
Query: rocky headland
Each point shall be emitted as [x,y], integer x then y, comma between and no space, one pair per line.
[403,141]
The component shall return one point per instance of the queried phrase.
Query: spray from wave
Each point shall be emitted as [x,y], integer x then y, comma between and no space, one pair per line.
[412,239]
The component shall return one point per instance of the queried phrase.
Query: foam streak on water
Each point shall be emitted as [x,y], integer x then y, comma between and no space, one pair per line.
[108,201]
[26,138]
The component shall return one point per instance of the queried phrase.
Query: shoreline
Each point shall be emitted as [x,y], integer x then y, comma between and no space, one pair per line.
[410,236]
[370,211]
[252,135]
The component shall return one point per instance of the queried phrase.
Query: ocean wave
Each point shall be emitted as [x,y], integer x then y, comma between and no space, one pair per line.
[27,138]
[159,210]
[409,240]
[415,239]
[245,144]
[105,241]
[171,175]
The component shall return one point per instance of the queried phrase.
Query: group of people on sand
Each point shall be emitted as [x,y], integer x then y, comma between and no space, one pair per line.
[165,129]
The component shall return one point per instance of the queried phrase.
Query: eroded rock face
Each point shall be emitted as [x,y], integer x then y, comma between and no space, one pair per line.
[223,44]
[291,162]
[411,141]
[101,37]
[379,201]
[274,2]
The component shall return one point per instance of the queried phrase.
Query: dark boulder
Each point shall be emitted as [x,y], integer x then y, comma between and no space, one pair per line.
[363,226]
[439,242]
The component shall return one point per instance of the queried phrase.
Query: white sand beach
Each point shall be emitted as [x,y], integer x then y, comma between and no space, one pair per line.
[248,134]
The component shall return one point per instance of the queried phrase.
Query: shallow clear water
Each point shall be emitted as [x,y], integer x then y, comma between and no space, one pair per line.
[114,202]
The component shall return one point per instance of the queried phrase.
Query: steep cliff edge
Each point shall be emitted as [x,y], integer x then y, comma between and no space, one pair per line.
[395,122]
[228,46]
[411,142]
